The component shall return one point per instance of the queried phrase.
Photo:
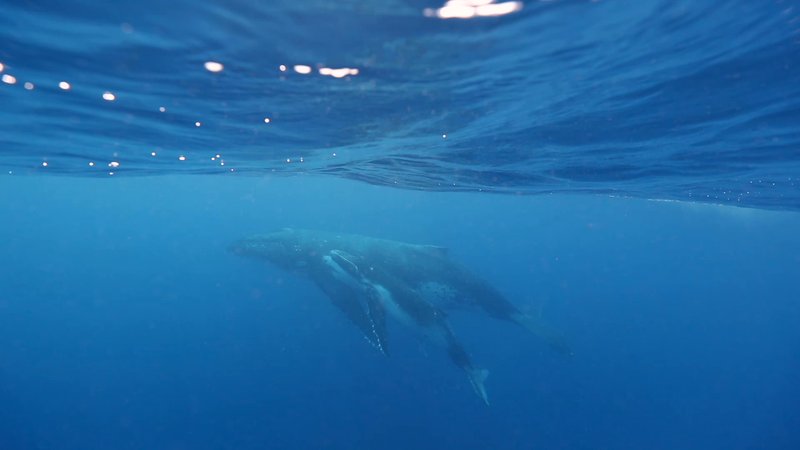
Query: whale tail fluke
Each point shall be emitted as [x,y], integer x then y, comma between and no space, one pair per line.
[477,377]
[551,336]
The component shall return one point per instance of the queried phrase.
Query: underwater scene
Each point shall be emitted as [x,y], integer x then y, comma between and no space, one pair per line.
[400,224]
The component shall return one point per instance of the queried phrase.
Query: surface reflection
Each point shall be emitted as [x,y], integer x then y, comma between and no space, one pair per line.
[468,9]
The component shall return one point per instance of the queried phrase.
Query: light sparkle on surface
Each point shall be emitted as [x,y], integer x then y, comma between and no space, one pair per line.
[338,73]
[9,79]
[64,85]
[302,69]
[29,86]
[109,96]
[214,67]
[468,9]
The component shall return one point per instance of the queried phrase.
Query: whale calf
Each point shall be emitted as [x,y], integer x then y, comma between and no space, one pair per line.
[409,308]
[371,279]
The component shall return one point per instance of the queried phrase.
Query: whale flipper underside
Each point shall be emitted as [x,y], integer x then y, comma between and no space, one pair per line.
[365,312]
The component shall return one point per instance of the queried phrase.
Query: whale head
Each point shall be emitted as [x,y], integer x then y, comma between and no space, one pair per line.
[282,248]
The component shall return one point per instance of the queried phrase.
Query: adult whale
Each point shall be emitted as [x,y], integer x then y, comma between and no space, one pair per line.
[368,278]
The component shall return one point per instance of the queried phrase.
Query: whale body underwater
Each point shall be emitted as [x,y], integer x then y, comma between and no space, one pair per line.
[373,280]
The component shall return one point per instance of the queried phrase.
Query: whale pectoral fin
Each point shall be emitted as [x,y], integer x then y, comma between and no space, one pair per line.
[377,316]
[550,335]
[355,305]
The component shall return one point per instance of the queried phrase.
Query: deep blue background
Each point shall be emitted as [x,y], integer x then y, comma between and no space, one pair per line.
[124,323]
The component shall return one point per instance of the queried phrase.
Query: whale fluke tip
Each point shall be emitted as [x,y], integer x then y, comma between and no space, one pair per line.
[477,377]
[553,338]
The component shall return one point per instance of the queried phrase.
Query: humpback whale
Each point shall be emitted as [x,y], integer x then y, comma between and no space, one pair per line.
[370,279]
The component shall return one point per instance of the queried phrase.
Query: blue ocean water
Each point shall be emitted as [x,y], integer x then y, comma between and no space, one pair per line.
[682,100]
[647,155]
